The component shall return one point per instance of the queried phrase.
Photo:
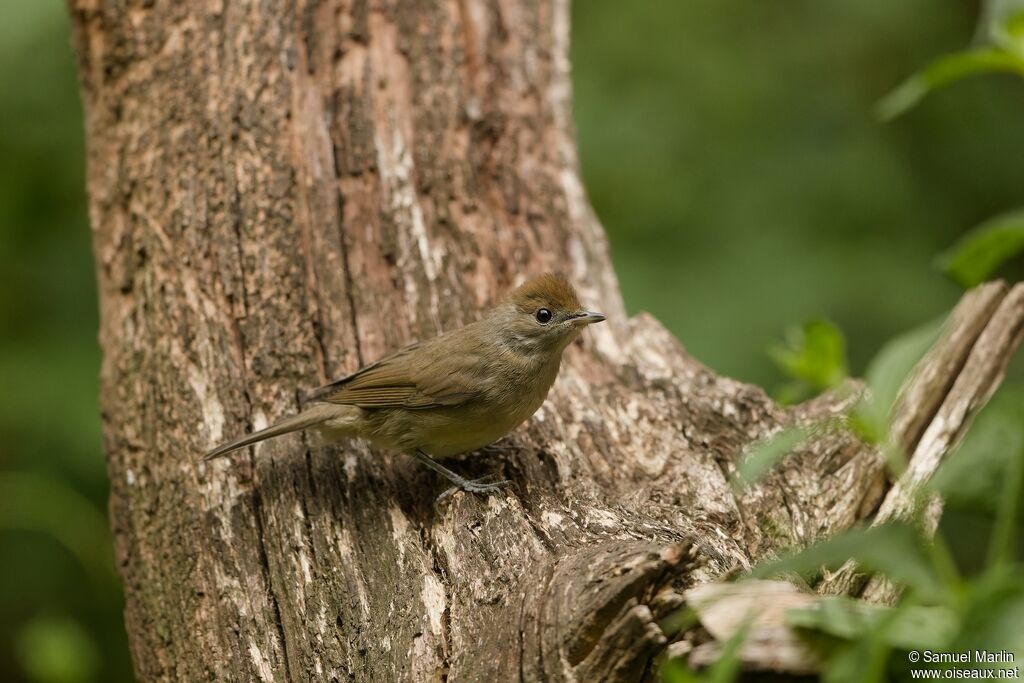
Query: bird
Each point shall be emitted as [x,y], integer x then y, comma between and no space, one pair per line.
[455,393]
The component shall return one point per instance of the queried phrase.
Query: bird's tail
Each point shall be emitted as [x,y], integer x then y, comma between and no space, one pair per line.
[307,418]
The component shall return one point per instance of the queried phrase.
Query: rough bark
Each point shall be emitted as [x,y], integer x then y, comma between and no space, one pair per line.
[282,191]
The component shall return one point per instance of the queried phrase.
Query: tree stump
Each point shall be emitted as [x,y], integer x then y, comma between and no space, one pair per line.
[283,191]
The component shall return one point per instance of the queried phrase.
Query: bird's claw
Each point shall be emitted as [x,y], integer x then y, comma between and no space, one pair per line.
[489,484]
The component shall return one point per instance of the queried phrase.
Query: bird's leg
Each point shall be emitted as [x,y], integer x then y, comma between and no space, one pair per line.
[483,485]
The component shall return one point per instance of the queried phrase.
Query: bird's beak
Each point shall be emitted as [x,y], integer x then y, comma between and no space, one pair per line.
[586,318]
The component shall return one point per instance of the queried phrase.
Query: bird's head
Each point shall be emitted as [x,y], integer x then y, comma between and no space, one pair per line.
[543,314]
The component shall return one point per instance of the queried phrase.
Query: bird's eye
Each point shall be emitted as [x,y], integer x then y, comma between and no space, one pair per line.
[543,315]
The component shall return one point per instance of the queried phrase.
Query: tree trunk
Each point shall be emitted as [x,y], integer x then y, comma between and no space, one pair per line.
[283,191]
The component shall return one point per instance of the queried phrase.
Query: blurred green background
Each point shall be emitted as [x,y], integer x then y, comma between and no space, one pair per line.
[729,148]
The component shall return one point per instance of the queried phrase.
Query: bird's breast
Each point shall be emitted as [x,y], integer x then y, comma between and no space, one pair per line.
[505,400]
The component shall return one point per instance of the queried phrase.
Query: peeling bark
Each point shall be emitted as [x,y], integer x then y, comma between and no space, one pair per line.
[283,191]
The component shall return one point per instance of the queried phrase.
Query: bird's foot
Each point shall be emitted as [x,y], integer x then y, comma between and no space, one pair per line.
[489,484]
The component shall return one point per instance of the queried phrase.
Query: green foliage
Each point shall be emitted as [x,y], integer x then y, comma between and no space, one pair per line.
[941,609]
[984,612]
[894,550]
[1001,549]
[1001,32]
[945,71]
[974,475]
[886,374]
[814,357]
[979,254]
[763,455]
[1002,23]
[913,627]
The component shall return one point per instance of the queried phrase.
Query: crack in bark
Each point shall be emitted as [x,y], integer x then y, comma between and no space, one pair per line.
[349,282]
[257,503]
[339,211]
[446,620]
[317,321]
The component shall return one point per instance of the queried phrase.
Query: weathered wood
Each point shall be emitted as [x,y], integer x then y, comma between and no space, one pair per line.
[937,406]
[979,378]
[282,191]
[758,610]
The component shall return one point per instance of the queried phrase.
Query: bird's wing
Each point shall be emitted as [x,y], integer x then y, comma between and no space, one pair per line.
[405,379]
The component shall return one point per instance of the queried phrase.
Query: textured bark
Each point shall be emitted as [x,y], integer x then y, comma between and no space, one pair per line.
[283,191]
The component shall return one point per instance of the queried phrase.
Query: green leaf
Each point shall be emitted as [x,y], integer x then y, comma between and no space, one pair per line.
[676,671]
[1002,25]
[1009,34]
[726,668]
[1004,531]
[993,612]
[944,71]
[895,550]
[979,253]
[763,455]
[974,476]
[886,374]
[909,627]
[864,661]
[814,355]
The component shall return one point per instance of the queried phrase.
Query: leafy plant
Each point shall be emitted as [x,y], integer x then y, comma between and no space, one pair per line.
[894,550]
[945,71]
[941,609]
[1001,49]
[1001,35]
[763,455]
[886,373]
[979,253]
[814,357]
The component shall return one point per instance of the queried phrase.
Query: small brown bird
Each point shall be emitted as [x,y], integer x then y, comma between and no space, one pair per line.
[455,393]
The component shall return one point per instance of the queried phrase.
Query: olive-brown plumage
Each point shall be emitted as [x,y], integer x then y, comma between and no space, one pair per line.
[456,392]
